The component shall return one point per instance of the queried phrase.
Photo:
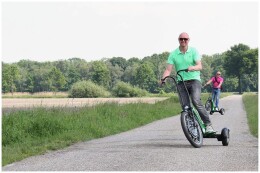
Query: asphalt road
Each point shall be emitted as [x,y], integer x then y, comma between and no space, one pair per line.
[159,146]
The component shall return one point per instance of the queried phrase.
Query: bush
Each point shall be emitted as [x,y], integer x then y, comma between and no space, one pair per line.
[87,89]
[123,89]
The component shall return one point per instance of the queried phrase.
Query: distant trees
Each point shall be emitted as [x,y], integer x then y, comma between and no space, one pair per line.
[10,74]
[56,80]
[241,61]
[145,77]
[238,66]
[100,73]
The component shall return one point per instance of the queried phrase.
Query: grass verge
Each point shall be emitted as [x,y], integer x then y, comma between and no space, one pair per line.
[250,101]
[31,132]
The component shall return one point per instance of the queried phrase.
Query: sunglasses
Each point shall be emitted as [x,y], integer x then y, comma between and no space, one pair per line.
[218,74]
[183,39]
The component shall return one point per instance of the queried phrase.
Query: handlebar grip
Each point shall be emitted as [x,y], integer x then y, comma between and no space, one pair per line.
[163,82]
[186,70]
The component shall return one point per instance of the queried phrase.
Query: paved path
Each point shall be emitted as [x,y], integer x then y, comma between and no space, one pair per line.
[159,146]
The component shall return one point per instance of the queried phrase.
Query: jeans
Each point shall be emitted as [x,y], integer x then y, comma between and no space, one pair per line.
[215,96]
[194,90]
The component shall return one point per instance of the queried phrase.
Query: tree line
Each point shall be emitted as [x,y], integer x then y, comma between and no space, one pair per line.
[239,67]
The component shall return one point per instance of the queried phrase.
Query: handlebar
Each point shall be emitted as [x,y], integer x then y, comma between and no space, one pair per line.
[163,80]
[205,86]
[176,83]
[185,70]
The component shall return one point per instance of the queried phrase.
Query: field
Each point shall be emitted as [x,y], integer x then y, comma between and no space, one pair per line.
[71,102]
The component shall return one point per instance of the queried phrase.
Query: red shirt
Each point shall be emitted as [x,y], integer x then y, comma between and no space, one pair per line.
[216,83]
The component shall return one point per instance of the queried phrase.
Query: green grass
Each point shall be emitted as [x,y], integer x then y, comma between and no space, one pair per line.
[250,101]
[204,96]
[32,132]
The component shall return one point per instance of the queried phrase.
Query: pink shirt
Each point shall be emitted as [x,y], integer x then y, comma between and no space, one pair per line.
[216,83]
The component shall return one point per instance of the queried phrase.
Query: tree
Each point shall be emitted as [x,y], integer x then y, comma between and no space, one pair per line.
[10,75]
[116,73]
[145,77]
[72,76]
[206,71]
[40,79]
[5,78]
[133,60]
[100,73]
[159,63]
[129,73]
[56,79]
[21,81]
[250,61]
[29,83]
[235,62]
[121,62]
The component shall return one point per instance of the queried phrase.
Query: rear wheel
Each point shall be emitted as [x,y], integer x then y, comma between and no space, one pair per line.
[222,111]
[191,130]
[225,136]
[208,105]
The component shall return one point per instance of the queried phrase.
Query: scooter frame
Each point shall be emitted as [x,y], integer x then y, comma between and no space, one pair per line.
[210,106]
[195,117]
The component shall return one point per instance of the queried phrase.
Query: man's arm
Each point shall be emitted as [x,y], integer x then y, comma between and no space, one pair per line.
[197,67]
[208,83]
[168,71]
[220,83]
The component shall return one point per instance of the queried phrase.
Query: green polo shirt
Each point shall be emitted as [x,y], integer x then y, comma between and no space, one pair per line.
[183,61]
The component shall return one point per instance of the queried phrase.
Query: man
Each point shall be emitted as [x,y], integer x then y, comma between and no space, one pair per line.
[217,81]
[185,57]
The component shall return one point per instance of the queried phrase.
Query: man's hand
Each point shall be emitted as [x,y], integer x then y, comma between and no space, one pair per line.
[191,68]
[205,85]
[162,82]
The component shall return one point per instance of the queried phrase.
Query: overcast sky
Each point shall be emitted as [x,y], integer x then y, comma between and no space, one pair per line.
[50,31]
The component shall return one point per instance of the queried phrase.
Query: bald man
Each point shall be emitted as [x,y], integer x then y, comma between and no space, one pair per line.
[186,57]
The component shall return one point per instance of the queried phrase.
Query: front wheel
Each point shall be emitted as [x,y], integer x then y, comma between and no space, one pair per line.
[191,129]
[208,105]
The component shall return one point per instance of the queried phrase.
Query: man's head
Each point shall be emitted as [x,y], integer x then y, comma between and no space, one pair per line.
[184,39]
[218,74]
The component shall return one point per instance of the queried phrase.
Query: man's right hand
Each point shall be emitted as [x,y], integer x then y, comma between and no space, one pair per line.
[162,82]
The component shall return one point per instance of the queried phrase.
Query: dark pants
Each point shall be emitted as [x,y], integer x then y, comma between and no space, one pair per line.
[194,89]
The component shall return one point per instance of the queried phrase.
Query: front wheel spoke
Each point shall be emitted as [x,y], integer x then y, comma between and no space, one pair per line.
[192,128]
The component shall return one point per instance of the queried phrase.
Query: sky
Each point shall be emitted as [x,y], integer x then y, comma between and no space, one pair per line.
[92,30]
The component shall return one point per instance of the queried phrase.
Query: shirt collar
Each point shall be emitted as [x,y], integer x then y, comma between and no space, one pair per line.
[179,52]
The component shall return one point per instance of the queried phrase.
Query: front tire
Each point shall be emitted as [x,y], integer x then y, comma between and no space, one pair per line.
[208,105]
[191,129]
